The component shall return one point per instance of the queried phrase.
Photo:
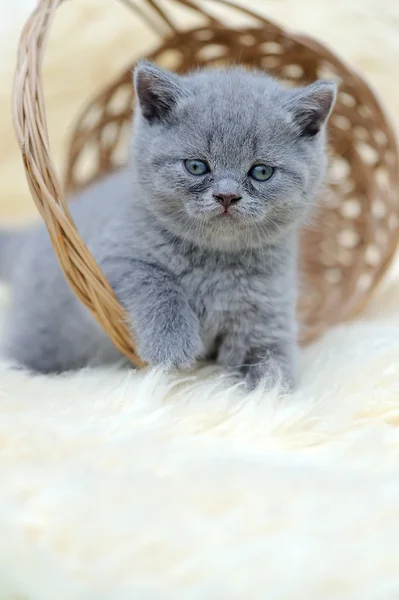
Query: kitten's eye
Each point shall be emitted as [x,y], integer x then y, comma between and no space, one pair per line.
[196,167]
[261,172]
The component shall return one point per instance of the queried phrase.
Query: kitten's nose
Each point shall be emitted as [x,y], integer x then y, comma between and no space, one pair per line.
[226,200]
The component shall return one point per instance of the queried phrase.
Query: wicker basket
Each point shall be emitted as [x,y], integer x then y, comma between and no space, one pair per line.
[349,246]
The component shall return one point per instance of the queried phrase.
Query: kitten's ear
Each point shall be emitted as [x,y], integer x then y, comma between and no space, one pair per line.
[157,90]
[311,106]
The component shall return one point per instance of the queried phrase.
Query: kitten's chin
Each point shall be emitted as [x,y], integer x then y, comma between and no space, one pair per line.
[232,233]
[221,232]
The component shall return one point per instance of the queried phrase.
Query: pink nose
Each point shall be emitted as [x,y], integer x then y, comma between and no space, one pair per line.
[226,200]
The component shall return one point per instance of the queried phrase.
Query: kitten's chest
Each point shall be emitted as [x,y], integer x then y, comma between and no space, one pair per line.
[218,287]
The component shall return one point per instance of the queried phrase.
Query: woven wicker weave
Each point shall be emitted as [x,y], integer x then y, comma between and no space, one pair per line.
[352,240]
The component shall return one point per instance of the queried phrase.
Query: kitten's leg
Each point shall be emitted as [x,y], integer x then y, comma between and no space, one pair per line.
[261,353]
[52,332]
[163,324]
[274,363]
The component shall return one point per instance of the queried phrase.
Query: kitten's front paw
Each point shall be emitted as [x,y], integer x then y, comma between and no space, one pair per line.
[271,372]
[172,342]
[268,377]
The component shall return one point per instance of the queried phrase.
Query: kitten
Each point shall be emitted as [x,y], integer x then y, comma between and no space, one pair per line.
[197,237]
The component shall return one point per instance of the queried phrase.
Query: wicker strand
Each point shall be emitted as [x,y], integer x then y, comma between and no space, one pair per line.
[81,271]
[161,13]
[146,18]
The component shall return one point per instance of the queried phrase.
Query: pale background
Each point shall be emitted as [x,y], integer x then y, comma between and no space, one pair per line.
[92,39]
[116,484]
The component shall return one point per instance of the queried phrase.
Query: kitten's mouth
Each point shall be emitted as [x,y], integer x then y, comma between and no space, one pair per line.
[225,216]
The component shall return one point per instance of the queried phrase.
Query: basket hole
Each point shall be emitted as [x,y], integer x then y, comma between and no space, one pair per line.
[348,186]
[211,51]
[86,165]
[248,39]
[333,276]
[293,71]
[367,153]
[328,248]
[339,169]
[289,83]
[271,48]
[378,209]
[364,281]
[109,134]
[332,202]
[365,111]
[92,117]
[270,62]
[373,255]
[345,257]
[170,59]
[347,99]
[348,238]
[382,178]
[223,62]
[204,35]
[361,133]
[380,137]
[341,122]
[120,100]
[351,209]
[326,71]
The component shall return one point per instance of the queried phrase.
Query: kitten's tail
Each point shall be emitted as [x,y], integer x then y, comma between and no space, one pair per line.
[11,242]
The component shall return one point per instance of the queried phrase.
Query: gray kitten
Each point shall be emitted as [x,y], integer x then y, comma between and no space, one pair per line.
[197,238]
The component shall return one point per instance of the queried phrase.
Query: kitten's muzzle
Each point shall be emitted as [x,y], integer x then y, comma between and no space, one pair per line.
[227,200]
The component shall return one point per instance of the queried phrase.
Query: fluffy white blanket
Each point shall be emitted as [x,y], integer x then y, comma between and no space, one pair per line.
[117,485]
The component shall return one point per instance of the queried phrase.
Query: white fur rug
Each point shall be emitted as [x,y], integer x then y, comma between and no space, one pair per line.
[117,485]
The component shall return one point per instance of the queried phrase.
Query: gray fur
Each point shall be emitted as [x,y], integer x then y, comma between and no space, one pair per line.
[10,247]
[195,283]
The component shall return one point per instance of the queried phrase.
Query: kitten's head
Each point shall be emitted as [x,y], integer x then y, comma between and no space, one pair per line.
[228,158]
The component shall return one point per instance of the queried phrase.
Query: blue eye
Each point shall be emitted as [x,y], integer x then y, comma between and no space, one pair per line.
[196,167]
[261,172]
